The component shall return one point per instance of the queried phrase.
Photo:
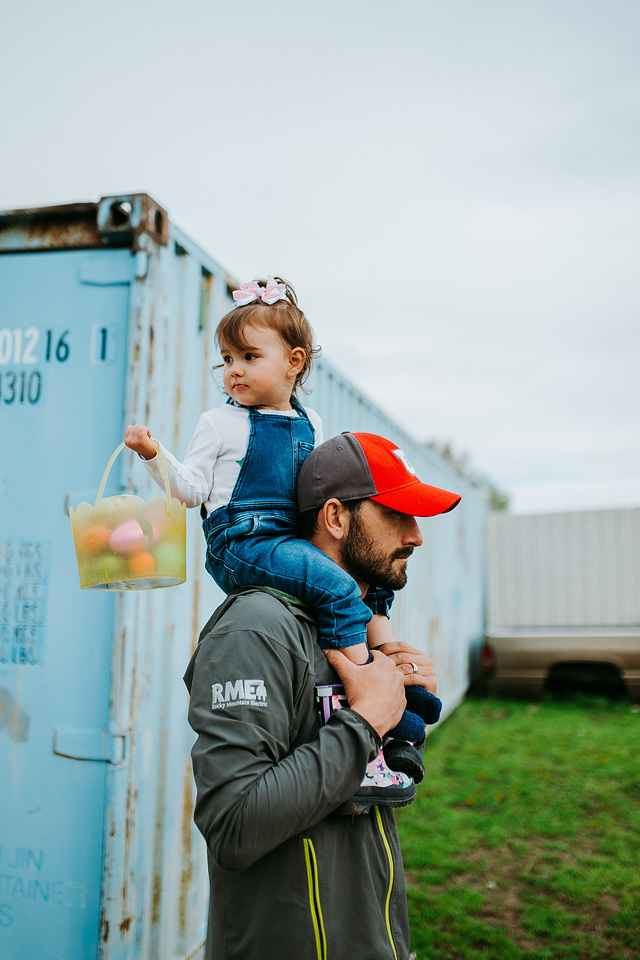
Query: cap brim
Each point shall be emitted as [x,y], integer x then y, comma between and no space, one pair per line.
[419,499]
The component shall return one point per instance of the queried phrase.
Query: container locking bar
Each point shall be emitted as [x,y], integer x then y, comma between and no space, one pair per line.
[89,744]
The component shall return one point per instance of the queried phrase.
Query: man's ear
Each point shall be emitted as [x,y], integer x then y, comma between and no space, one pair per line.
[335,519]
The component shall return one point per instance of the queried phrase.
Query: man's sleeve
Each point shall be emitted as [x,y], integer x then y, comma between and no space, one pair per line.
[254,789]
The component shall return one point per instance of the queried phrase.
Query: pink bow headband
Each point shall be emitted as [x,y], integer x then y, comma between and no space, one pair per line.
[248,292]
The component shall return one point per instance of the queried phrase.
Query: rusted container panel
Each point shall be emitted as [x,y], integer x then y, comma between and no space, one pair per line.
[155,883]
[106,319]
[138,301]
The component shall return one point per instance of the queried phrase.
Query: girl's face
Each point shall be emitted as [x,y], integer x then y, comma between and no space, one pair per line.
[263,374]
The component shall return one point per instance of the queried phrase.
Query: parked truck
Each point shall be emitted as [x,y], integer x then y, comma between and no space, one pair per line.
[563,594]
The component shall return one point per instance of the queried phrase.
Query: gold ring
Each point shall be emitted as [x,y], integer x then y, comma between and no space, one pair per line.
[414,666]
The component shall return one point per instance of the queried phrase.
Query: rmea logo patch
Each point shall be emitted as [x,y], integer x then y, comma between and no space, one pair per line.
[238,693]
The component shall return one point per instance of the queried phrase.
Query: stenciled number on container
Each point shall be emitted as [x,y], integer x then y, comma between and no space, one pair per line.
[20,387]
[24,572]
[61,351]
[18,346]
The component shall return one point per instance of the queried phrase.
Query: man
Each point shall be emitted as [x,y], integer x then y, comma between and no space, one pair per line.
[290,876]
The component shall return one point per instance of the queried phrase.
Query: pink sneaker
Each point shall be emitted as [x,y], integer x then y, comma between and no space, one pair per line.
[381,787]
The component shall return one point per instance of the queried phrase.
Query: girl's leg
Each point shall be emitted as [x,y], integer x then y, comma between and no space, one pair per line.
[425,704]
[410,727]
[357,653]
[422,707]
[381,786]
[399,751]
[379,631]
[297,567]
[419,701]
[379,599]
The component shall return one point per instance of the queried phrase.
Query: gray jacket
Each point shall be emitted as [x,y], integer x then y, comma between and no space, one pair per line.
[289,877]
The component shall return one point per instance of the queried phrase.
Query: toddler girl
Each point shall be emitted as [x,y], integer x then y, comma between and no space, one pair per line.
[241,467]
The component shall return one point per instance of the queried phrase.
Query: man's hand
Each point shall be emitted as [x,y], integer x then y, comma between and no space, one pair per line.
[374,690]
[404,656]
[138,438]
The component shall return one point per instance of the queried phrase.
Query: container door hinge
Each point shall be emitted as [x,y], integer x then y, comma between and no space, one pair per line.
[90,744]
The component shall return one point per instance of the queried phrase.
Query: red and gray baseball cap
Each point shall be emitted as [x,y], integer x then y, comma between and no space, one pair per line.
[357,466]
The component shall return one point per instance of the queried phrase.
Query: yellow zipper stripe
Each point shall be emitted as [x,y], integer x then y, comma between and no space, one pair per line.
[387,913]
[318,904]
[308,853]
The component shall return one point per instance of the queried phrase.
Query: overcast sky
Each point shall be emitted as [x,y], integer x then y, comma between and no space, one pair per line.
[452,188]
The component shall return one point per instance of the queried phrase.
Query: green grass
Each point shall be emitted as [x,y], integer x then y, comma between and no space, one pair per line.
[524,840]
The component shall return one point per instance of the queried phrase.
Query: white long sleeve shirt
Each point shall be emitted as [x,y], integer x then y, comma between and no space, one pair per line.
[212,462]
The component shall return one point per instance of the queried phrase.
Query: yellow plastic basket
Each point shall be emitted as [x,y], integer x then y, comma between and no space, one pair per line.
[128,543]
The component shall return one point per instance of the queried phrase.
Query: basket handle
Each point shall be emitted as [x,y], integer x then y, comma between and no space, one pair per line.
[107,471]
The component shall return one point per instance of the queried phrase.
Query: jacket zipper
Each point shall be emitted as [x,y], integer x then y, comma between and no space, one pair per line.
[387,913]
[314,899]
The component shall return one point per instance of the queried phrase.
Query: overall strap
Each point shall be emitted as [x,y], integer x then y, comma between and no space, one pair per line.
[277,446]
[297,406]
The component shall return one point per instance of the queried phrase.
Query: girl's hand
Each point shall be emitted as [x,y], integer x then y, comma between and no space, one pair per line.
[138,438]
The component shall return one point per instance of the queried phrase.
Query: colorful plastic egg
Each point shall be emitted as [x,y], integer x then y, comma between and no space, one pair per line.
[142,564]
[128,538]
[94,539]
[170,560]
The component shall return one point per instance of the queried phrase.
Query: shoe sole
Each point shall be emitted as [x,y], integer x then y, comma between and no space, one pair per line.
[360,804]
[404,759]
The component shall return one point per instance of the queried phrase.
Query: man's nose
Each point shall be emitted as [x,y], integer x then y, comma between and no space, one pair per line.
[412,535]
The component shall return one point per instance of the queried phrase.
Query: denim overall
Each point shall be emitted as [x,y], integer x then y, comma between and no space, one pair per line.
[253,540]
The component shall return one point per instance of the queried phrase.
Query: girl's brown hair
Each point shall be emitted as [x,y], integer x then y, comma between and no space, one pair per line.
[284,316]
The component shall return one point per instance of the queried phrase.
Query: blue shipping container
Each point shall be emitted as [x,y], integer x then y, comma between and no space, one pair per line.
[107,317]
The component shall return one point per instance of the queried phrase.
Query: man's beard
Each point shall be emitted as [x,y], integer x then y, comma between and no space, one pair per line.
[368,563]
